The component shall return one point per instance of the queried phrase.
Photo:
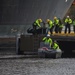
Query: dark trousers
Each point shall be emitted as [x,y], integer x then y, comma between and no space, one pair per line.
[74,29]
[51,30]
[56,28]
[67,26]
[34,27]
[60,29]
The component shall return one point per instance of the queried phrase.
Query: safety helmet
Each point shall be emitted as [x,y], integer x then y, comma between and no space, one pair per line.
[67,16]
[55,18]
[48,35]
[48,20]
[55,41]
[49,32]
[40,20]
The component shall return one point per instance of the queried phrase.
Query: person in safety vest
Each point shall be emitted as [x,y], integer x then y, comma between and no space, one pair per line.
[47,40]
[55,46]
[36,24]
[56,49]
[60,25]
[74,25]
[50,25]
[56,24]
[68,22]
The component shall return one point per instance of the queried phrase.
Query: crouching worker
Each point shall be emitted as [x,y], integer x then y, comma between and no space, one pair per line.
[47,41]
[45,46]
[56,47]
[36,24]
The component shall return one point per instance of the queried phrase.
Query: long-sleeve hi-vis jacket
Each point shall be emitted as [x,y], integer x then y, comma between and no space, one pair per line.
[74,23]
[68,20]
[37,23]
[50,23]
[56,22]
[55,46]
[47,40]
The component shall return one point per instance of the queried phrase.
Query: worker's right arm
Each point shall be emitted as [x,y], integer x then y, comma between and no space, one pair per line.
[44,39]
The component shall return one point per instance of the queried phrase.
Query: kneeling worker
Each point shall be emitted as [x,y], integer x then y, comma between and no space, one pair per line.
[47,40]
[56,47]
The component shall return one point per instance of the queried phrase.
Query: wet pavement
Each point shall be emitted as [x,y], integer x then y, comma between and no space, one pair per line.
[37,66]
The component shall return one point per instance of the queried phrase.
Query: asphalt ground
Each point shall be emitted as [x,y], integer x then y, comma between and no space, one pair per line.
[37,66]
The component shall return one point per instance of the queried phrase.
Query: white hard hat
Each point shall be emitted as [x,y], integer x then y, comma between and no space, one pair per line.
[67,16]
[48,35]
